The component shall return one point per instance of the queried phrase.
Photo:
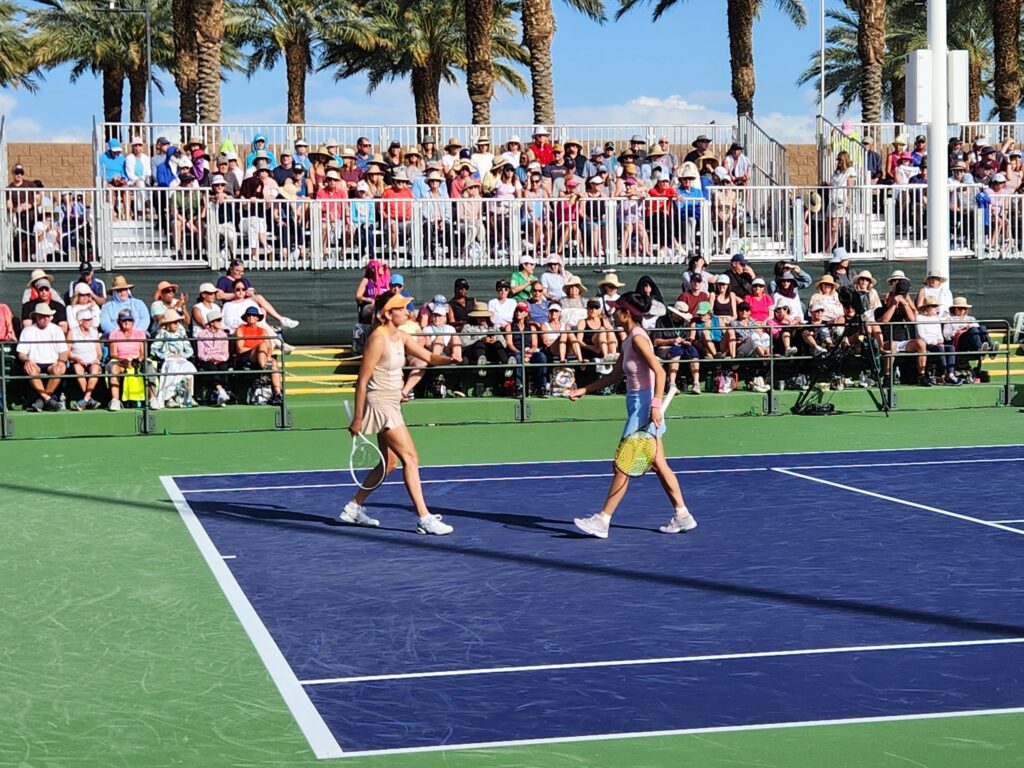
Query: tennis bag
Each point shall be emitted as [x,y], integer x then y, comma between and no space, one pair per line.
[260,393]
[134,386]
[563,381]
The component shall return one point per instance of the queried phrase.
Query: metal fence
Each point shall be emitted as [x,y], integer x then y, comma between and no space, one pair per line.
[167,228]
[767,156]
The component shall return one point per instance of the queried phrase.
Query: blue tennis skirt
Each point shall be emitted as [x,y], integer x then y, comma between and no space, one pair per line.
[638,412]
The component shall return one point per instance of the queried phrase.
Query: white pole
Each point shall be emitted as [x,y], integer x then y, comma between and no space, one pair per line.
[821,64]
[938,160]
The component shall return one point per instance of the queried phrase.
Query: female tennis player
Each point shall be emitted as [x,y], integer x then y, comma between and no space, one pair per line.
[378,411]
[645,380]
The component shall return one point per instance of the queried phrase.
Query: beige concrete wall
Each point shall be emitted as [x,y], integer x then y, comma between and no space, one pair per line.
[56,165]
[70,165]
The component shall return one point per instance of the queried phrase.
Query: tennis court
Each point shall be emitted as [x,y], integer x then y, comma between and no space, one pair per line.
[820,588]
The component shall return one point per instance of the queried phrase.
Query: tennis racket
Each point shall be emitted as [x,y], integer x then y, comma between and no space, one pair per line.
[365,457]
[635,454]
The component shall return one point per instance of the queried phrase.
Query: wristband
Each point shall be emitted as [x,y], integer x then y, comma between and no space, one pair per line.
[656,402]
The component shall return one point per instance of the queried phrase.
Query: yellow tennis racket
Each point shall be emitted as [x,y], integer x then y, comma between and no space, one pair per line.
[636,451]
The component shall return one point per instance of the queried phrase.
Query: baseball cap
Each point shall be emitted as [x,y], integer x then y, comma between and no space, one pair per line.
[461,282]
[125,314]
[18,169]
[85,268]
[397,279]
[739,258]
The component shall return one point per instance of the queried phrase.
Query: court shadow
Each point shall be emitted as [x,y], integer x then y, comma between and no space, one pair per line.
[556,527]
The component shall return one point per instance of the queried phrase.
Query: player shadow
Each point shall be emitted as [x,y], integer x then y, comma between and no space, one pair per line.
[557,528]
[274,513]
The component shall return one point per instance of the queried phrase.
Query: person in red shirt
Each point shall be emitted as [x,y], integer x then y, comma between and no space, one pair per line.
[256,352]
[332,193]
[664,222]
[397,208]
[697,294]
[541,145]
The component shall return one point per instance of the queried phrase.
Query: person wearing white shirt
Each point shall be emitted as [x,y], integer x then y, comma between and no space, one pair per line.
[483,158]
[554,278]
[43,352]
[85,354]
[503,308]
[929,331]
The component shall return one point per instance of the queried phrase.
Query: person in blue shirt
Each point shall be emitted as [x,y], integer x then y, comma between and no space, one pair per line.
[259,142]
[112,162]
[689,197]
[121,298]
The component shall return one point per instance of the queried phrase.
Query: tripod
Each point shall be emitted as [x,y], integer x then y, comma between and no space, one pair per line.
[832,365]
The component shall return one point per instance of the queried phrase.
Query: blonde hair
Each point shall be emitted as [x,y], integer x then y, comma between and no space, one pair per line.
[843,161]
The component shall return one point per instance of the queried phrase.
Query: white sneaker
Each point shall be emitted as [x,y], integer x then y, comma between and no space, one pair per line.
[355,514]
[287,322]
[695,389]
[286,348]
[595,525]
[222,397]
[432,524]
[115,405]
[677,524]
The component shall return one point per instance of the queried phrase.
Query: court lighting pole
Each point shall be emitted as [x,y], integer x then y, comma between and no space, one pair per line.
[938,161]
[147,13]
[821,64]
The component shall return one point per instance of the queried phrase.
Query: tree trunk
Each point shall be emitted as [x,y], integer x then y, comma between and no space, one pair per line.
[296,61]
[137,95]
[974,90]
[871,49]
[1005,16]
[186,67]
[741,53]
[209,25]
[426,93]
[113,94]
[899,99]
[479,68]
[538,31]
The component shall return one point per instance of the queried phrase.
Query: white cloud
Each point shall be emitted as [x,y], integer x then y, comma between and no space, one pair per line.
[29,129]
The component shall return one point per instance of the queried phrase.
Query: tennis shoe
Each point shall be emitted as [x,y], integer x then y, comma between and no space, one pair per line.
[432,524]
[595,525]
[677,524]
[355,514]
[115,405]
[287,322]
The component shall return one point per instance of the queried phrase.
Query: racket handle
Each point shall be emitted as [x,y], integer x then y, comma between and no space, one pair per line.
[348,409]
[667,400]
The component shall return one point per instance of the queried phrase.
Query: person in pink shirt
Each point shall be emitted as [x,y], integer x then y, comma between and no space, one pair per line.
[127,350]
[212,354]
[782,335]
[760,301]
[398,208]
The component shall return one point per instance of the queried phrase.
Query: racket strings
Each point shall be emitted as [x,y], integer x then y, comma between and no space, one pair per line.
[635,453]
[365,457]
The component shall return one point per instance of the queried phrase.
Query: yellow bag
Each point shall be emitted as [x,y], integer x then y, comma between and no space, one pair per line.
[134,386]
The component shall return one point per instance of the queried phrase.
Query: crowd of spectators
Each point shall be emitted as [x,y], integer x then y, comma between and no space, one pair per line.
[719,332]
[111,345]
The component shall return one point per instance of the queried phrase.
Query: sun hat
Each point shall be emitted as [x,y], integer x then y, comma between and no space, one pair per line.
[480,310]
[812,202]
[439,306]
[897,274]
[554,258]
[412,149]
[699,139]
[960,302]
[514,139]
[39,274]
[84,313]
[900,139]
[574,280]
[396,302]
[207,288]
[610,279]
[82,289]
[527,259]
[681,309]
[43,309]
[540,130]
[826,280]
[162,286]
[120,283]
[936,274]
[347,152]
[839,254]
[688,171]
[213,314]
[929,301]
[333,175]
[252,312]
[170,316]
[866,275]
[453,143]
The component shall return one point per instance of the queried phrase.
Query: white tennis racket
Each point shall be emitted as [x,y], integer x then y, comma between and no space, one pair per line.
[364,458]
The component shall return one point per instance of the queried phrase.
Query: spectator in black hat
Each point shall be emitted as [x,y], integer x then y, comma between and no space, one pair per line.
[460,304]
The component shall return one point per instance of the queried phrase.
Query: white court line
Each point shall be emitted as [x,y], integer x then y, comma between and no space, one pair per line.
[1008,521]
[671,458]
[319,736]
[228,557]
[665,660]
[688,731]
[298,486]
[904,502]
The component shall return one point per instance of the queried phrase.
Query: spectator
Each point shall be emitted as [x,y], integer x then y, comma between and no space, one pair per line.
[759,301]
[965,333]
[172,349]
[723,307]
[235,307]
[46,239]
[259,152]
[892,157]
[482,158]
[302,157]
[213,355]
[872,161]
[513,150]
[574,308]
[708,338]
[112,166]
[839,199]
[700,152]
[608,292]
[8,327]
[431,153]
[165,298]
[647,287]
[538,304]
[376,281]
[780,325]
[930,333]
[225,212]
[865,283]
[541,146]
[827,297]
[206,305]
[674,340]
[460,305]
[451,158]
[333,196]
[696,295]
[226,289]
[556,338]
[85,354]
[522,344]
[816,338]
[397,210]
[350,172]
[364,153]
[483,344]
[920,151]
[750,341]
[741,275]
[392,161]
[255,351]
[82,300]
[44,295]
[786,293]
[43,352]
[521,280]
[503,307]
[898,310]
[595,335]
[936,287]
[436,212]
[839,268]
[440,338]
[397,288]
[737,165]
[127,352]
[635,240]
[98,289]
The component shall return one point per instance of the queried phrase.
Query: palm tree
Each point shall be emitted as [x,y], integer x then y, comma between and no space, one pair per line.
[93,39]
[186,60]
[479,15]
[296,30]
[538,19]
[1005,20]
[871,52]
[426,40]
[208,20]
[741,15]
[15,58]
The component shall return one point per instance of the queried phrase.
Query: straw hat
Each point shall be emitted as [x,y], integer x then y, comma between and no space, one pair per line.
[39,274]
[480,310]
[170,316]
[929,301]
[866,274]
[120,282]
[936,274]
[961,302]
[610,279]
[162,286]
[453,143]
[825,280]
[897,274]
[812,201]
[688,170]
[574,280]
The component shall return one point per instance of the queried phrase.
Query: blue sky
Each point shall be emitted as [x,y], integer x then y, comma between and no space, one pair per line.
[629,71]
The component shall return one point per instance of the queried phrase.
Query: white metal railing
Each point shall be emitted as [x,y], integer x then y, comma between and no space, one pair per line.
[131,227]
[767,156]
